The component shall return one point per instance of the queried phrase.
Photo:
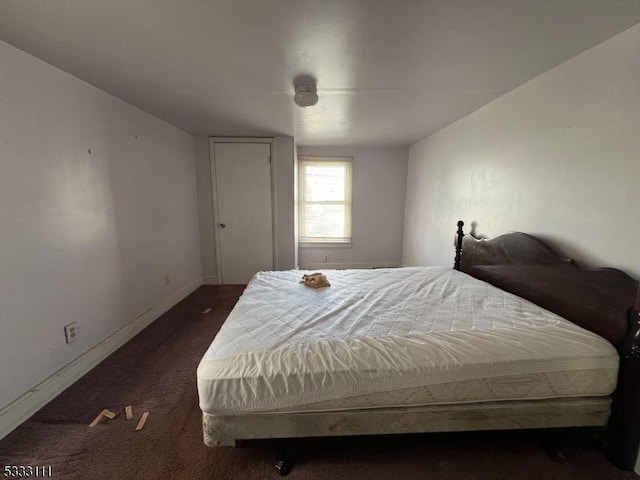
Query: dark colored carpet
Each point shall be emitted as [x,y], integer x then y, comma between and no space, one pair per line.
[155,372]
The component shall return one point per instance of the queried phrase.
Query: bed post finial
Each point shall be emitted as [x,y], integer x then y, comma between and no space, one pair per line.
[458,243]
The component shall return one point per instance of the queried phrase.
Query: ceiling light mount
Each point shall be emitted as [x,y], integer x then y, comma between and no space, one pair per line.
[306,95]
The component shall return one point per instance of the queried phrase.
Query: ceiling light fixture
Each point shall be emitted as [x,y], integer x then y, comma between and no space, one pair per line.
[306,95]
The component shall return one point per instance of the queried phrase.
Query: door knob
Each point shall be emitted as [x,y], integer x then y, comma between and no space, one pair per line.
[222,225]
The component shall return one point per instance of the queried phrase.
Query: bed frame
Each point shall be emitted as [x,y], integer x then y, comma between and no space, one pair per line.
[605,301]
[599,300]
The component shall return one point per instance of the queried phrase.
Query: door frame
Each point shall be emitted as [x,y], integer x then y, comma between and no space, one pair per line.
[214,196]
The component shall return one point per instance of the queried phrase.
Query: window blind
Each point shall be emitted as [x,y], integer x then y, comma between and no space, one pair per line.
[325,200]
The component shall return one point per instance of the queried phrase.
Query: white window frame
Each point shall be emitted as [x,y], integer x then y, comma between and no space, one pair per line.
[332,241]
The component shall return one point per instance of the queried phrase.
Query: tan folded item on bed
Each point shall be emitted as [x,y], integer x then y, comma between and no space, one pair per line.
[315,280]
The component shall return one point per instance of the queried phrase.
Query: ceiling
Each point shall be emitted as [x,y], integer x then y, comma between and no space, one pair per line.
[388,71]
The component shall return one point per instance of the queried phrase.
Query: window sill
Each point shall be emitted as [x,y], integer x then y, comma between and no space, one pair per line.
[324,245]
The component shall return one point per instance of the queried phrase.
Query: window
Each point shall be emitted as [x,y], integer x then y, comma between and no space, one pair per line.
[325,200]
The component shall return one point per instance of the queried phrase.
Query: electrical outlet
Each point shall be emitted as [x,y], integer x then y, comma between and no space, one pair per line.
[326,258]
[167,279]
[70,332]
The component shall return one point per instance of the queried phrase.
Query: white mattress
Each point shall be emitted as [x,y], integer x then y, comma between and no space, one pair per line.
[376,336]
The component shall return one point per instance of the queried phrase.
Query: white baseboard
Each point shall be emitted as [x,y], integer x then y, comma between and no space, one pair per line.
[210,280]
[339,266]
[34,399]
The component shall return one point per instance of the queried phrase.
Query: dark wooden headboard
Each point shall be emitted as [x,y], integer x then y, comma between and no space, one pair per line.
[597,300]
[605,301]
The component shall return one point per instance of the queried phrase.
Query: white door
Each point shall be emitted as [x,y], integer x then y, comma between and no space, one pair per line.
[243,186]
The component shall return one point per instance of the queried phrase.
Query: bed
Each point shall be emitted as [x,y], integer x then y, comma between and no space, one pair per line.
[513,337]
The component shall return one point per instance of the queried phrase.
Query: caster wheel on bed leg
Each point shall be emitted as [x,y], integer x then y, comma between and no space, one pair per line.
[555,445]
[557,455]
[283,467]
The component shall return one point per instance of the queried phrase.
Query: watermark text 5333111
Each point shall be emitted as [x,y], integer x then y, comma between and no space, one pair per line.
[27,471]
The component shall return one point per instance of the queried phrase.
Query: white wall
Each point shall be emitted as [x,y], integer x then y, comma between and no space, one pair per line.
[558,157]
[97,204]
[379,178]
[205,210]
[284,157]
